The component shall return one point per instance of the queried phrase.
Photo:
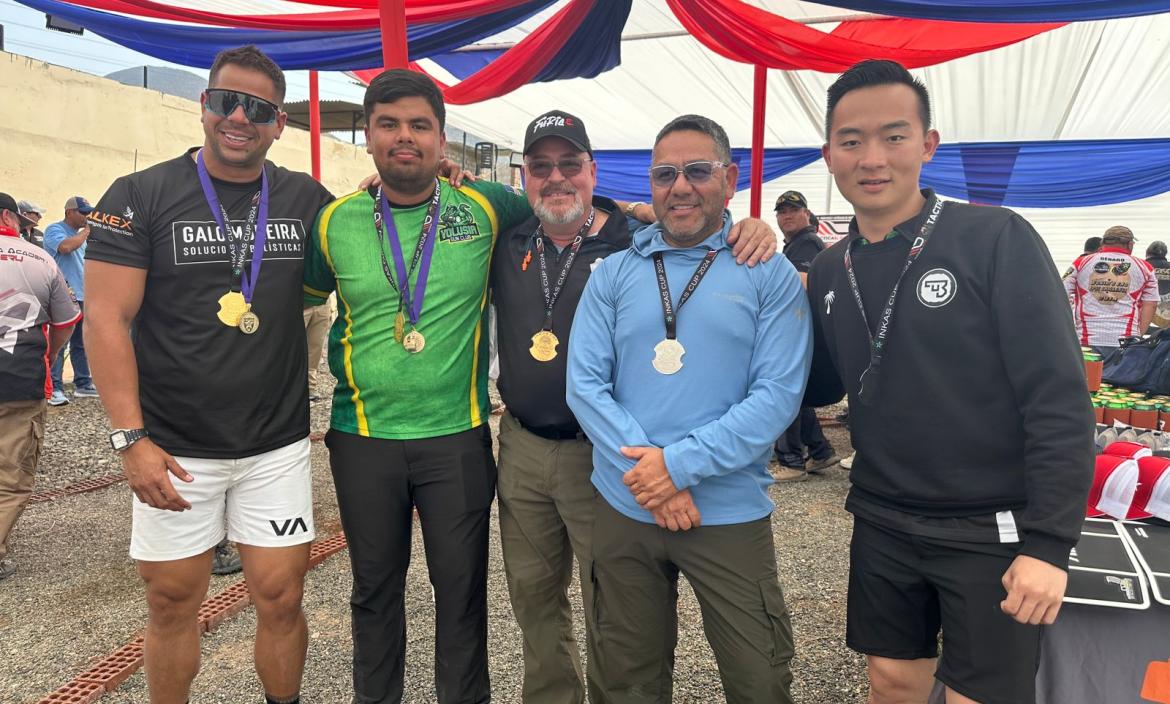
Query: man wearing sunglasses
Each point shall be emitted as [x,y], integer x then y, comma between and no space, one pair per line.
[683,369]
[539,271]
[203,254]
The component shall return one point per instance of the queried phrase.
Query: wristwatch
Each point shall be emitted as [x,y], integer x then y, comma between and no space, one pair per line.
[125,437]
[631,206]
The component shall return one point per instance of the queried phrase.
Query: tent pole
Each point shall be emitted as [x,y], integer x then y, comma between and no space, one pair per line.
[315,125]
[392,19]
[759,99]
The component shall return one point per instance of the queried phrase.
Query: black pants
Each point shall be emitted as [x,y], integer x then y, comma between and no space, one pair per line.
[805,431]
[451,480]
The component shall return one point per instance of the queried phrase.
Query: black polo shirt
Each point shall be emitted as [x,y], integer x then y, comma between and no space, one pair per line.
[535,391]
[803,248]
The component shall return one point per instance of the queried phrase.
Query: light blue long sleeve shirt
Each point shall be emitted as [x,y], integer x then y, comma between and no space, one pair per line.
[748,347]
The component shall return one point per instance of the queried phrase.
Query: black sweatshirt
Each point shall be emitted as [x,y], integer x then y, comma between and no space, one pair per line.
[982,406]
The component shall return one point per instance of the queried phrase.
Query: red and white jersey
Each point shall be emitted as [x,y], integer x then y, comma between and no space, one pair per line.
[1106,289]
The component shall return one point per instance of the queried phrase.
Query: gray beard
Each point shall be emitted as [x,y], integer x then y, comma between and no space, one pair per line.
[564,218]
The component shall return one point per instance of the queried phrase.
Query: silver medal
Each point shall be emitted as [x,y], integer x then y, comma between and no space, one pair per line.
[668,356]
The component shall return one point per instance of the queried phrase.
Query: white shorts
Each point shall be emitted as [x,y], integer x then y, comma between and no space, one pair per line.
[267,500]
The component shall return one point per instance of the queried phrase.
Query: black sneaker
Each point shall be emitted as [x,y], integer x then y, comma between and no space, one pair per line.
[226,560]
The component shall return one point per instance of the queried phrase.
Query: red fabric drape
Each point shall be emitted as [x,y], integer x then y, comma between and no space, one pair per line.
[337,21]
[751,35]
[514,67]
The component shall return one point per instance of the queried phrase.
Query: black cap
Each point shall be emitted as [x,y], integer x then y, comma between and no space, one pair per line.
[791,198]
[7,202]
[556,123]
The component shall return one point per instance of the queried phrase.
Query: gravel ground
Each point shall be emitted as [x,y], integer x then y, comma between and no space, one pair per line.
[77,596]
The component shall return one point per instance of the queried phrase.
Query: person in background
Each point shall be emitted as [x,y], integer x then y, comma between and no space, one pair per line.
[33,294]
[1113,293]
[317,322]
[66,241]
[1156,257]
[30,217]
[801,246]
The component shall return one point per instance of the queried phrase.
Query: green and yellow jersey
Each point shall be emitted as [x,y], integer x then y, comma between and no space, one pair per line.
[383,391]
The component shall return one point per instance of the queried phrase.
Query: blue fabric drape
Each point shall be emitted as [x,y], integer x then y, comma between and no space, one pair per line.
[594,48]
[191,45]
[625,173]
[462,64]
[1008,10]
[1051,174]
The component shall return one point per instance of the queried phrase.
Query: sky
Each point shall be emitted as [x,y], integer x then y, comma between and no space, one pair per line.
[25,34]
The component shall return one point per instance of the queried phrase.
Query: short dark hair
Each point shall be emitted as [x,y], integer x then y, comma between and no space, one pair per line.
[394,84]
[1092,245]
[875,72]
[1157,249]
[252,58]
[704,125]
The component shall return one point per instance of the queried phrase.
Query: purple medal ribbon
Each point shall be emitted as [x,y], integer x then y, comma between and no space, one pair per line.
[413,301]
[258,225]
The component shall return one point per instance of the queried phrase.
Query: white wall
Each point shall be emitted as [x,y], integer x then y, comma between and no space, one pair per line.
[69,133]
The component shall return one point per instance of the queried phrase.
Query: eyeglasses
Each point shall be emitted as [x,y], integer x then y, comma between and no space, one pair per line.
[664,175]
[569,167]
[224,102]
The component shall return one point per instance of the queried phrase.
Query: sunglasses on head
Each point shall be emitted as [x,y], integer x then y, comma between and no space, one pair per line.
[569,166]
[664,175]
[224,102]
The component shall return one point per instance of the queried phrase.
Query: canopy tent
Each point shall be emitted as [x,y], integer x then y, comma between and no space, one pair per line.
[1089,92]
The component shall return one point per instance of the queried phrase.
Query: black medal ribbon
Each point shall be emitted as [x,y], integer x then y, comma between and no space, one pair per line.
[870,379]
[669,311]
[566,262]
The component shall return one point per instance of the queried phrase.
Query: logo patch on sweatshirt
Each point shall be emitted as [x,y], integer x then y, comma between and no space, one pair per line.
[936,288]
[829,298]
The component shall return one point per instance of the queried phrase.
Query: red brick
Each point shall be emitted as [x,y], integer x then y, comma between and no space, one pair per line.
[216,609]
[75,693]
[325,548]
[115,668]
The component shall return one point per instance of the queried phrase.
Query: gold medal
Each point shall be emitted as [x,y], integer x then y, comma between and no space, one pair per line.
[399,326]
[413,342]
[668,356]
[249,322]
[231,307]
[544,346]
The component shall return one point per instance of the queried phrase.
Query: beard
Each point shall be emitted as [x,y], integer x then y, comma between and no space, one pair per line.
[406,179]
[564,217]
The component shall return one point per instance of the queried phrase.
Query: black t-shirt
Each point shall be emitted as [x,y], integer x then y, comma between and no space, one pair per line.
[208,390]
[804,248]
[535,391]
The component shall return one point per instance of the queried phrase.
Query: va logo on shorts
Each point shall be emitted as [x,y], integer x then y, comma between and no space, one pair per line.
[457,223]
[936,288]
[289,527]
